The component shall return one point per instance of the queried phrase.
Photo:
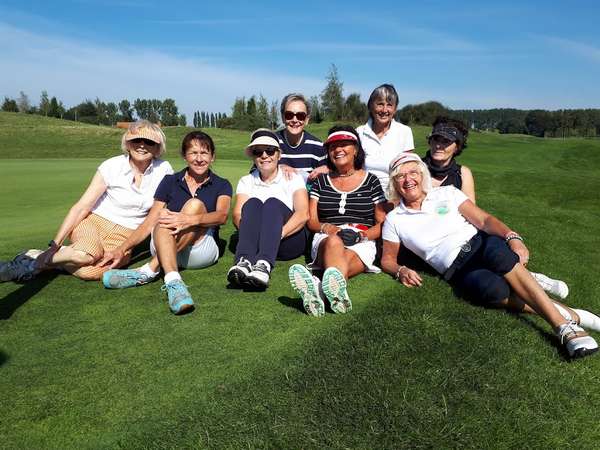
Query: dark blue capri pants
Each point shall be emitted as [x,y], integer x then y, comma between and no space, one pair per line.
[260,233]
[479,273]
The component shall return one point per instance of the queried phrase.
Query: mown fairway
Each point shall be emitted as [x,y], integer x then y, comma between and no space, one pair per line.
[84,367]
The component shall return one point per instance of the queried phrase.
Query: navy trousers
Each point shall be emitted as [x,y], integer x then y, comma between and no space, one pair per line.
[260,233]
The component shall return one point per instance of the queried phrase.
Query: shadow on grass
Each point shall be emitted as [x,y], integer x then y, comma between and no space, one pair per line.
[14,300]
[294,303]
[3,358]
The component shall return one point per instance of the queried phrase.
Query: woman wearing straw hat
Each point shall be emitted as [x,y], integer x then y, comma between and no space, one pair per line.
[270,213]
[114,204]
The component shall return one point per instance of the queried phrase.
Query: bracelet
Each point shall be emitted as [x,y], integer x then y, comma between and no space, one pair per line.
[397,276]
[512,235]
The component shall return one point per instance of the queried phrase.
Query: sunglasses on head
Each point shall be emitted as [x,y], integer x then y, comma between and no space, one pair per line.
[300,115]
[146,142]
[259,151]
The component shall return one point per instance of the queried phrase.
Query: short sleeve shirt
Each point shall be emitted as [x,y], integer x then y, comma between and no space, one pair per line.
[436,232]
[380,152]
[339,208]
[123,202]
[174,191]
[280,187]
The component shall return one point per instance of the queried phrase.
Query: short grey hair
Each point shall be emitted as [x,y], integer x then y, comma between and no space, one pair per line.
[386,92]
[393,195]
[293,97]
[145,128]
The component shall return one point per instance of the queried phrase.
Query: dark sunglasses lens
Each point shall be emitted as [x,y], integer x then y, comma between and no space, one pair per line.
[259,151]
[289,115]
[146,142]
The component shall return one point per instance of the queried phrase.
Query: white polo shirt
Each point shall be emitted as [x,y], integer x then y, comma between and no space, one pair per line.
[436,232]
[380,152]
[280,187]
[123,202]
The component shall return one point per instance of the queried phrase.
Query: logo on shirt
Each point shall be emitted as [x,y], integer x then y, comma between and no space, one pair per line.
[442,208]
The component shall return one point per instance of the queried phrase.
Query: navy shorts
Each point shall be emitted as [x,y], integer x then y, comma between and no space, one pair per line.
[479,274]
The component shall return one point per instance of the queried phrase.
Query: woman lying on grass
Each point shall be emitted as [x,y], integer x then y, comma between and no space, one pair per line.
[270,213]
[346,212]
[114,204]
[447,140]
[472,250]
[184,220]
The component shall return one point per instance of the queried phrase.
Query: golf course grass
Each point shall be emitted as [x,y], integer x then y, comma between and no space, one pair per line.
[85,367]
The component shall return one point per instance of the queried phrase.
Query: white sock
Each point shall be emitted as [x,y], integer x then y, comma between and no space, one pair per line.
[563,312]
[588,319]
[146,270]
[172,276]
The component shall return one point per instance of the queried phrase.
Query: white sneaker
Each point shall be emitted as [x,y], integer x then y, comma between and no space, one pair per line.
[576,340]
[551,286]
[306,286]
[238,274]
[260,275]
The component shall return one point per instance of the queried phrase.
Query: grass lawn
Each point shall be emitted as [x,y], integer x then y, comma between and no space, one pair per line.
[84,367]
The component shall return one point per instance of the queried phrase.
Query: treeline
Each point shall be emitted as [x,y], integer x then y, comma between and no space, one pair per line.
[98,112]
[331,105]
[536,122]
[203,119]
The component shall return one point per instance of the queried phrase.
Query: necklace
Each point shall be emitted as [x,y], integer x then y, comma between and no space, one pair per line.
[288,143]
[348,174]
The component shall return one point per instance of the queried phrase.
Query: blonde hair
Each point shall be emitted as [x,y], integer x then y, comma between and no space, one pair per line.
[393,194]
[147,130]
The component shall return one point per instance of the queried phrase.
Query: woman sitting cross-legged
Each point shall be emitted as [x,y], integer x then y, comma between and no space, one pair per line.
[346,212]
[447,140]
[270,213]
[188,208]
[472,250]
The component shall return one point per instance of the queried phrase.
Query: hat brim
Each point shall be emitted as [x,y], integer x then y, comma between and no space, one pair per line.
[443,134]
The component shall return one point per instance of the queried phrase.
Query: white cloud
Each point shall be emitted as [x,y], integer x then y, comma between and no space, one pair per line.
[73,71]
[586,51]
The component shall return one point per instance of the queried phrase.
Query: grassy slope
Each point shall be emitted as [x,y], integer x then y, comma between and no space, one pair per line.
[84,367]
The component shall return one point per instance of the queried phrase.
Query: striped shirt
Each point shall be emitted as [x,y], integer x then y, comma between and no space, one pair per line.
[356,206]
[306,156]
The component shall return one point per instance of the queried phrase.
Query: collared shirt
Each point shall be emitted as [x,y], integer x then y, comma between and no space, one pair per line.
[306,156]
[436,232]
[174,191]
[380,152]
[280,187]
[123,202]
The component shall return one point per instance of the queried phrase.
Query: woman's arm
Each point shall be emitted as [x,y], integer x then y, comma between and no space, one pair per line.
[374,232]
[389,264]
[82,208]
[300,215]
[314,224]
[114,257]
[178,221]
[240,199]
[468,183]
[484,221]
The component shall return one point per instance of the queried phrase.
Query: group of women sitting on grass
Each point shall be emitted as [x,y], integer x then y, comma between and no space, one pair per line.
[360,192]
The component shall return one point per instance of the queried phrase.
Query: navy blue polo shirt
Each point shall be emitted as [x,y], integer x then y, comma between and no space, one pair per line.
[173,190]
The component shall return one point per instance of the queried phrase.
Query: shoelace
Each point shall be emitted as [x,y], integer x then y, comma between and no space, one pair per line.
[568,332]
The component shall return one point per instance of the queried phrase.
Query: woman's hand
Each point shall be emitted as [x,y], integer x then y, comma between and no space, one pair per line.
[288,171]
[317,171]
[174,221]
[520,249]
[113,258]
[409,277]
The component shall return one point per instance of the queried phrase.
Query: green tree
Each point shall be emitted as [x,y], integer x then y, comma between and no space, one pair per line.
[44,104]
[23,103]
[354,109]
[9,105]
[169,114]
[126,111]
[332,98]
[316,114]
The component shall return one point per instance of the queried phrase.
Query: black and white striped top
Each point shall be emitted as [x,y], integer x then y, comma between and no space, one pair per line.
[339,208]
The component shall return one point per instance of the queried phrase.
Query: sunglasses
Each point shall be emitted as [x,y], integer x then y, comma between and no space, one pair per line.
[259,151]
[146,142]
[300,115]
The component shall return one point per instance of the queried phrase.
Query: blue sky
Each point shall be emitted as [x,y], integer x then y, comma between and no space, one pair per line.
[536,54]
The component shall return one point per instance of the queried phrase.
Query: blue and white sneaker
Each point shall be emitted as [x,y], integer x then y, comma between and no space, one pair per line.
[180,300]
[334,288]
[124,278]
[306,286]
